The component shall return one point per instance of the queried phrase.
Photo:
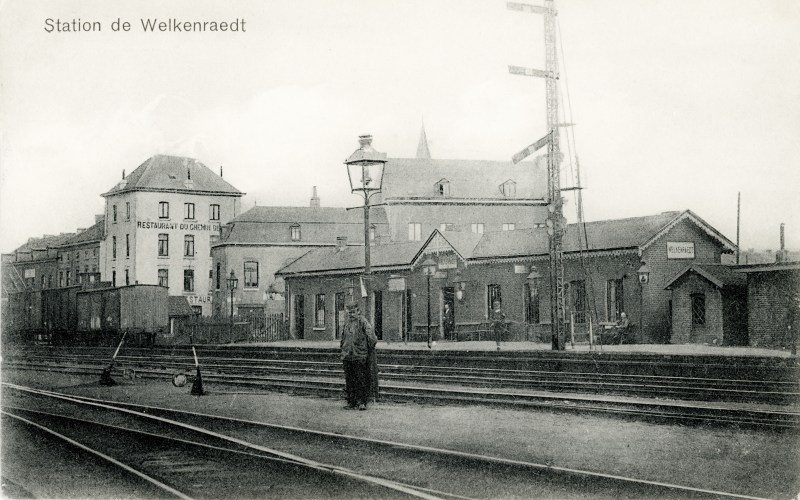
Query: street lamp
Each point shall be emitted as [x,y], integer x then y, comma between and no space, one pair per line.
[365,171]
[644,278]
[232,282]
[429,268]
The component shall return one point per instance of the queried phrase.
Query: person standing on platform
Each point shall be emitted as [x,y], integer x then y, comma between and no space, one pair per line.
[357,341]
[449,323]
[498,319]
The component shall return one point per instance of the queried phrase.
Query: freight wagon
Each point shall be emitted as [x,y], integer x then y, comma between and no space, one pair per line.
[138,311]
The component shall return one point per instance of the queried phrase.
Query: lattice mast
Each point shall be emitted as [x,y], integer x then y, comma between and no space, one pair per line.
[556,223]
[555,207]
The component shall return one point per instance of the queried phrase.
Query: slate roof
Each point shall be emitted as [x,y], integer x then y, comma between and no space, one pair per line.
[93,233]
[170,173]
[44,242]
[178,306]
[721,275]
[351,258]
[620,234]
[476,179]
[255,225]
[304,215]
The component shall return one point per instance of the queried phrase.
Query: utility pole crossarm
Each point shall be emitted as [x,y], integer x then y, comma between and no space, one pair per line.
[524,7]
[521,70]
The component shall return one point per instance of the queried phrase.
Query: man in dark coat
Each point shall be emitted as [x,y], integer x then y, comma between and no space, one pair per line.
[358,340]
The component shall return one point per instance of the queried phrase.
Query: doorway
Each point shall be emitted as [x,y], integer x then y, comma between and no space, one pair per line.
[299,316]
[448,313]
[378,314]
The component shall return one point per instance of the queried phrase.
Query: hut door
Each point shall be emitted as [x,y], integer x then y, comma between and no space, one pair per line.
[299,316]
[340,315]
[378,314]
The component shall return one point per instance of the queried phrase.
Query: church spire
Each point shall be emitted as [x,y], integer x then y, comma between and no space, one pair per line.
[422,149]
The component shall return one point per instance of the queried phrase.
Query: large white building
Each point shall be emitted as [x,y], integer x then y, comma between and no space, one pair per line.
[161,221]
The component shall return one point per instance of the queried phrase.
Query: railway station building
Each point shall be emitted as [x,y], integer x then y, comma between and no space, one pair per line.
[602,267]
[160,224]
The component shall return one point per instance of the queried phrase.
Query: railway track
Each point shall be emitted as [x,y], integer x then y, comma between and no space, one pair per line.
[314,382]
[254,454]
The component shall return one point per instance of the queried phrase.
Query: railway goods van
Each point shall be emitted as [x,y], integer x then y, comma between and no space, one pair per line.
[139,311]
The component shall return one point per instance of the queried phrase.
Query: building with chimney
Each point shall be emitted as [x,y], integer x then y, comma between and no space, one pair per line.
[258,242]
[160,224]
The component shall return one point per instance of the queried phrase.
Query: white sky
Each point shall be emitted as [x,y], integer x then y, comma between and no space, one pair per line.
[679,104]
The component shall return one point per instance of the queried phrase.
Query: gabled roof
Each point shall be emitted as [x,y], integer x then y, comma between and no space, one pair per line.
[94,233]
[347,260]
[720,275]
[304,215]
[178,306]
[256,225]
[728,245]
[472,179]
[172,173]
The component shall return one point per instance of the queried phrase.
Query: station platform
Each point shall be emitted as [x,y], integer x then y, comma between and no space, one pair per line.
[489,346]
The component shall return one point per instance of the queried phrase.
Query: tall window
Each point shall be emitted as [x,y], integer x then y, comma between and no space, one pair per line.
[127,277]
[294,232]
[510,226]
[210,279]
[113,247]
[414,231]
[219,276]
[251,274]
[319,311]
[163,277]
[127,245]
[188,210]
[188,245]
[163,210]
[163,245]
[127,210]
[614,299]
[492,295]
[114,214]
[446,227]
[577,291]
[113,278]
[213,212]
[531,304]
[477,228]
[61,278]
[698,309]
[188,280]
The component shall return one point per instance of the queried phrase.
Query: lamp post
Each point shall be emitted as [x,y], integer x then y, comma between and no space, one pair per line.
[232,282]
[365,171]
[459,284]
[429,268]
[644,278]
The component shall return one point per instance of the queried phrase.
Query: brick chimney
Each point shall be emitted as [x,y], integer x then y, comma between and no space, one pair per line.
[314,198]
[782,255]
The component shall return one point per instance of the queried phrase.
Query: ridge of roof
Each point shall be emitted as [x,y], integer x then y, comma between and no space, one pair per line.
[173,173]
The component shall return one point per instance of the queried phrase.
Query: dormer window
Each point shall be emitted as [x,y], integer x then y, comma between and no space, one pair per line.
[509,189]
[295,232]
[442,188]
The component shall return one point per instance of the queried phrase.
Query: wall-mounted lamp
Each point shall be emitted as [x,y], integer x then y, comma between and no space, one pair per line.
[644,274]
[460,285]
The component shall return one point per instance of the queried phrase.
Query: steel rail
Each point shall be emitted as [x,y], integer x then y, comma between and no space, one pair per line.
[392,485]
[99,454]
[488,459]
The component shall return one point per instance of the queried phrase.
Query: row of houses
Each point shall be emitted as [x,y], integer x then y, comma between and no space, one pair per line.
[173,222]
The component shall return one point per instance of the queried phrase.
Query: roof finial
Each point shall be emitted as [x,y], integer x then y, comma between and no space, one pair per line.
[422,148]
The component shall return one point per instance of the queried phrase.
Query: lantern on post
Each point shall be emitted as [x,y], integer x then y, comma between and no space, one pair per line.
[233,283]
[644,278]
[365,171]
[429,269]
